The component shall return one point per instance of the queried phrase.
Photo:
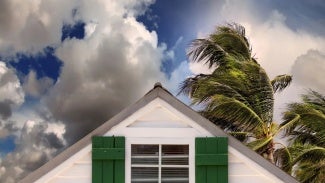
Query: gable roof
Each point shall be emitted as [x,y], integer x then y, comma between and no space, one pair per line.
[158,92]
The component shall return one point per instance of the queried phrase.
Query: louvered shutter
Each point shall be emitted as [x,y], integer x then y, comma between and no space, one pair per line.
[108,159]
[211,160]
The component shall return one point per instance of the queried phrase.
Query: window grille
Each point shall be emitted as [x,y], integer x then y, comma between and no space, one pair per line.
[159,163]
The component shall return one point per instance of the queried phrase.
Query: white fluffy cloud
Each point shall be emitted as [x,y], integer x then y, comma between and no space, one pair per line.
[117,62]
[199,68]
[36,143]
[277,46]
[36,87]
[309,70]
[11,93]
[29,26]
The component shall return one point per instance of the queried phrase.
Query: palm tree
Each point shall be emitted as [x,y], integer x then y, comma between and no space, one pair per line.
[304,125]
[238,94]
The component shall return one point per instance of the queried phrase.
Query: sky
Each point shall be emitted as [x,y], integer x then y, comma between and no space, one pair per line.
[68,66]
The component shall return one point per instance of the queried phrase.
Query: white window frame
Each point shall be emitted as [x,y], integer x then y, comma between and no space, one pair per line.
[161,141]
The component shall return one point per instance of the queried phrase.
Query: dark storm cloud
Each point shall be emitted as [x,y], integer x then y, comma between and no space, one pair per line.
[53,141]
[6,16]
[7,128]
[29,26]
[11,94]
[35,145]
[117,62]
[5,109]
[35,87]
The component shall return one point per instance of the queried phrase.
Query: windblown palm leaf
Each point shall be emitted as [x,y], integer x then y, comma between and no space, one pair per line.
[304,124]
[308,162]
[238,95]
[283,158]
[311,173]
[281,82]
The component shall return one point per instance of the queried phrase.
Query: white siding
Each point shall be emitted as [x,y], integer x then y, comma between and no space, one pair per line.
[244,170]
[75,169]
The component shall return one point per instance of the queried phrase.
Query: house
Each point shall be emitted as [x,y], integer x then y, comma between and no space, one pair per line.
[158,139]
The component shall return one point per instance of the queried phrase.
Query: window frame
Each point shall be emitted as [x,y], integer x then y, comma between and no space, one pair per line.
[161,141]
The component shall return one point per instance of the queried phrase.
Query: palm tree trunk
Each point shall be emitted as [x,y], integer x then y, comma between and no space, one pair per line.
[270,152]
[270,156]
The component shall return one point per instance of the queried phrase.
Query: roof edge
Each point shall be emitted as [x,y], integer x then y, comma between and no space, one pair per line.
[86,140]
[233,142]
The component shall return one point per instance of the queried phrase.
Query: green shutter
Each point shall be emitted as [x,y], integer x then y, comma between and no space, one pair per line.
[108,159]
[211,160]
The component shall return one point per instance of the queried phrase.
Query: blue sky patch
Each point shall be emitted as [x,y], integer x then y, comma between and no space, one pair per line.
[7,144]
[73,31]
[45,64]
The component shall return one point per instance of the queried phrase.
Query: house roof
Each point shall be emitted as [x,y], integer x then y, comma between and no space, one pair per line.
[158,92]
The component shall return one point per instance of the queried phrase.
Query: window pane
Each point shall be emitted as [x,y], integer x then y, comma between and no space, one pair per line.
[175,154]
[146,167]
[144,174]
[144,154]
[179,175]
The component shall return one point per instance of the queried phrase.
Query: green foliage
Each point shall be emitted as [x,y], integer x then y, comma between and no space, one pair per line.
[238,95]
[304,125]
[281,82]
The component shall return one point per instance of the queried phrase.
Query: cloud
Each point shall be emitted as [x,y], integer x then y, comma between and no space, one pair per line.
[35,145]
[118,61]
[177,76]
[309,70]
[36,87]
[277,46]
[11,93]
[200,68]
[115,64]
[29,26]
[7,129]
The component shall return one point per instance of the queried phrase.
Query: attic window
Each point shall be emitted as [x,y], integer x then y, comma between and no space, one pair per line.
[159,163]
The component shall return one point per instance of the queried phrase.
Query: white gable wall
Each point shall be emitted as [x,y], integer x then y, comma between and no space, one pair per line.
[163,124]
[75,169]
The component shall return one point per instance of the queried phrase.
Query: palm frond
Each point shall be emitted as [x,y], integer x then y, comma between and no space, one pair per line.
[189,85]
[241,136]
[310,154]
[305,137]
[283,158]
[302,117]
[310,172]
[241,115]
[232,39]
[315,99]
[281,82]
[304,124]
[260,91]
[290,124]
[204,50]
[259,143]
